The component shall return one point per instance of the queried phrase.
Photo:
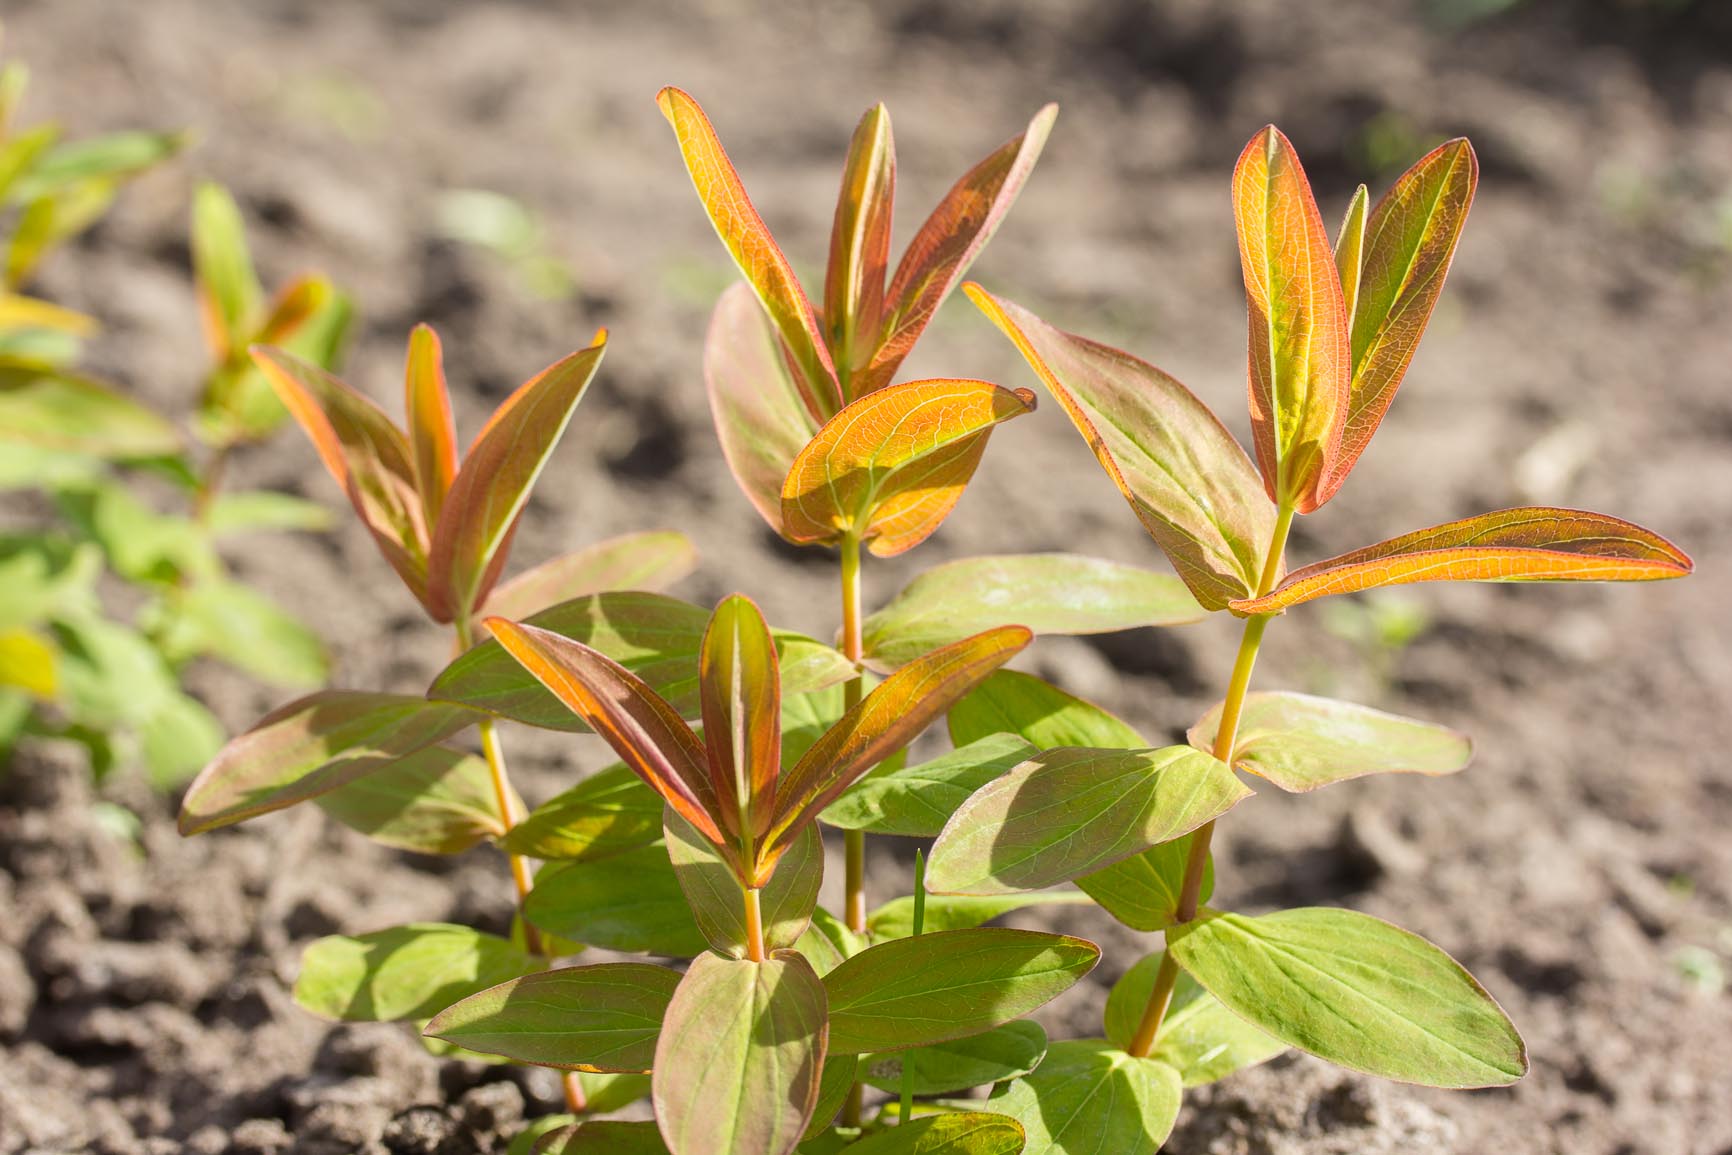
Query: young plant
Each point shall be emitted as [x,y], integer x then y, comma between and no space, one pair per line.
[1332,330]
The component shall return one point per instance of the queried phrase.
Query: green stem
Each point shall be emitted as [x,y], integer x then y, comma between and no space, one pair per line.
[854,841]
[1226,734]
[909,1057]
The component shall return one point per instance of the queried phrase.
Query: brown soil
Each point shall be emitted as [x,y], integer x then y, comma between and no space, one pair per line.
[1582,868]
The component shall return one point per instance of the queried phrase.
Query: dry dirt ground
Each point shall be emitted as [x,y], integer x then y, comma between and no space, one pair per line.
[1582,867]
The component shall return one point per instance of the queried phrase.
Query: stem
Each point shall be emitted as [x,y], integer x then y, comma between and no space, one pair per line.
[507,799]
[754,926]
[853,841]
[909,1057]
[1226,734]
[575,1100]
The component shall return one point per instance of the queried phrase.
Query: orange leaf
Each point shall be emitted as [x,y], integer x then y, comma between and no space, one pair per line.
[470,542]
[755,251]
[1299,352]
[742,706]
[1511,545]
[642,728]
[860,247]
[891,466]
[432,434]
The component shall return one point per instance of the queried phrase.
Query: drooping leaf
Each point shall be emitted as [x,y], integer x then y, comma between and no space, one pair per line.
[947,243]
[895,919]
[713,891]
[888,719]
[629,901]
[994,1056]
[1300,742]
[1054,593]
[229,293]
[1198,1037]
[1355,991]
[913,992]
[602,1137]
[740,1057]
[609,812]
[492,487]
[860,248]
[1187,480]
[434,801]
[891,466]
[310,747]
[1409,241]
[407,972]
[1528,543]
[432,431]
[1301,358]
[917,801]
[1070,811]
[741,695]
[1011,702]
[1143,890]
[45,410]
[652,561]
[1088,1096]
[952,1133]
[591,1018]
[754,250]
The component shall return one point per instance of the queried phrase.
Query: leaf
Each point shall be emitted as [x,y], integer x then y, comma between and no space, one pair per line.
[948,242]
[741,694]
[642,728]
[1301,360]
[741,1054]
[1011,702]
[1355,991]
[1350,251]
[1053,593]
[833,1090]
[994,1056]
[479,514]
[1199,1038]
[955,1133]
[434,801]
[891,466]
[1072,810]
[1300,743]
[178,737]
[77,415]
[310,747]
[366,455]
[1143,890]
[895,919]
[603,1137]
[432,432]
[651,560]
[609,812]
[1409,242]
[1529,543]
[629,901]
[234,622]
[713,891]
[27,662]
[105,158]
[860,248]
[1087,1096]
[913,992]
[229,294]
[592,1018]
[917,801]
[20,312]
[761,416]
[828,941]
[1187,480]
[888,719]
[749,241]
[407,972]
[247,511]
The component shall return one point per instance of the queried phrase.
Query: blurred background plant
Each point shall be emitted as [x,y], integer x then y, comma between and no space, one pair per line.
[111,579]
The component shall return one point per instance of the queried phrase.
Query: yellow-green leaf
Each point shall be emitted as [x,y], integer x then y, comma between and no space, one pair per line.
[651,560]
[1088,1096]
[407,972]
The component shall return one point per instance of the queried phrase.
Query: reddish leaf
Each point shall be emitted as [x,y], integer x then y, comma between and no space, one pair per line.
[891,466]
[1531,543]
[492,487]
[742,706]
[642,728]
[860,248]
[432,434]
[651,561]
[1301,363]
[753,248]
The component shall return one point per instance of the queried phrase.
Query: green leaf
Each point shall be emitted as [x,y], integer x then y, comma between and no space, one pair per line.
[895,919]
[994,1056]
[1087,1096]
[111,678]
[634,561]
[1199,1038]
[1010,702]
[113,156]
[833,1089]
[407,972]
[141,545]
[1070,811]
[229,293]
[259,509]
[603,1137]
[627,902]
[828,941]
[435,801]
[608,812]
[591,1018]
[1300,743]
[1143,891]
[912,992]
[241,626]
[917,801]
[176,739]
[1052,593]
[717,902]
[741,696]
[1356,991]
[741,1055]
[310,747]
[78,415]
[957,1133]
